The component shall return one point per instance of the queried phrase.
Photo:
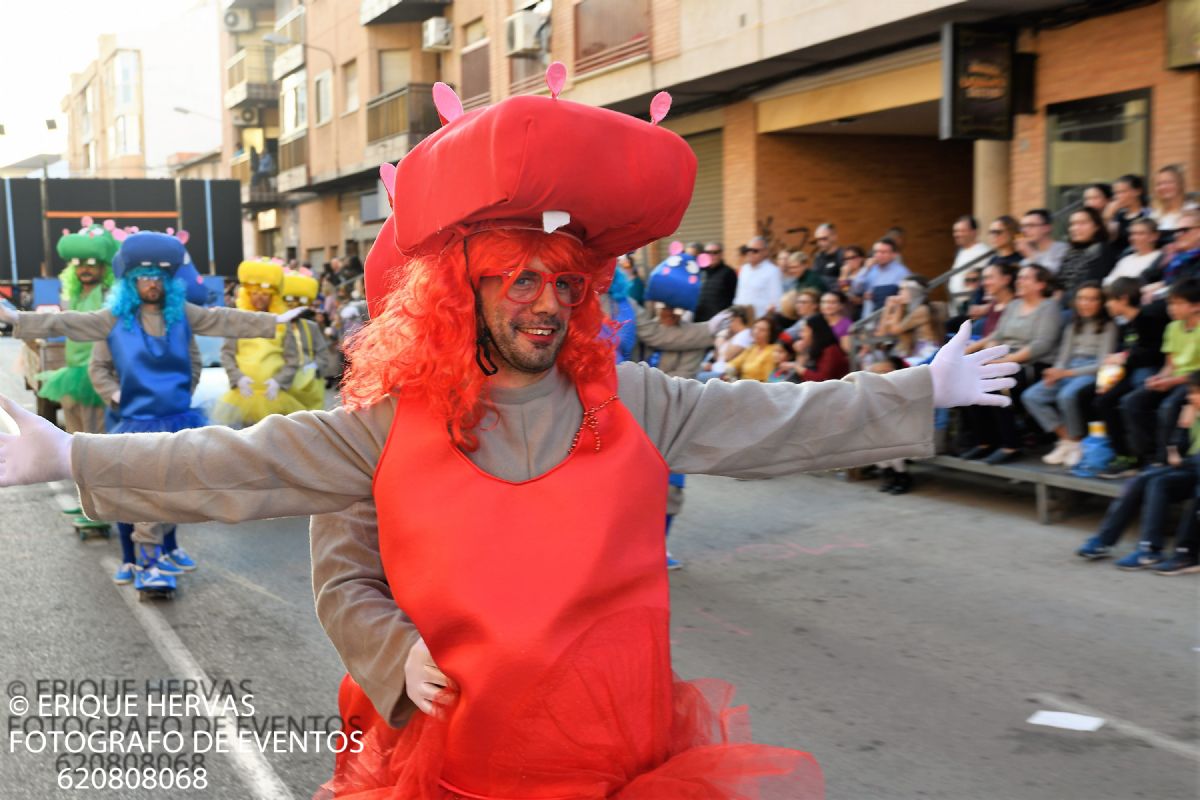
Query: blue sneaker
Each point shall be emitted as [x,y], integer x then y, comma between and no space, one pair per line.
[1182,563]
[123,575]
[672,562]
[1094,548]
[1141,558]
[180,559]
[168,567]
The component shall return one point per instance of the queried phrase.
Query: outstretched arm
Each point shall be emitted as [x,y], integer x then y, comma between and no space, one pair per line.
[305,463]
[750,429]
[232,323]
[78,326]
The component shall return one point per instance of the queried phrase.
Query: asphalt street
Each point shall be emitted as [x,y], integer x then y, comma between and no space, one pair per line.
[903,641]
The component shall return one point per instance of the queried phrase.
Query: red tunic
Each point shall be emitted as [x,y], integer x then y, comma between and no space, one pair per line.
[547,602]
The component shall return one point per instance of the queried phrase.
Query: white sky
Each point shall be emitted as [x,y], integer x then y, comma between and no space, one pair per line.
[42,42]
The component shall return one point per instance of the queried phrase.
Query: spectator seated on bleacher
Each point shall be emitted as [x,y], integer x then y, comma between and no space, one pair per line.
[999,284]
[760,360]
[1181,258]
[1037,244]
[1056,401]
[818,354]
[1030,327]
[1144,253]
[833,308]
[882,276]
[1152,492]
[798,274]
[794,308]
[1139,355]
[1088,258]
[1151,410]
[911,321]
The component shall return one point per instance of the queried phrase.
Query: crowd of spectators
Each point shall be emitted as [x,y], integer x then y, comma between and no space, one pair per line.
[1104,319]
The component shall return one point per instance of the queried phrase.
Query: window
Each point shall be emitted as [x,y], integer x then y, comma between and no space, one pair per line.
[125,77]
[610,31]
[395,70]
[476,67]
[1095,140]
[89,156]
[127,140]
[293,103]
[86,110]
[323,97]
[349,87]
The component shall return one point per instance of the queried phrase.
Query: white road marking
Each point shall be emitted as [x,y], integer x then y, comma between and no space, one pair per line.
[247,583]
[1066,720]
[252,767]
[1159,740]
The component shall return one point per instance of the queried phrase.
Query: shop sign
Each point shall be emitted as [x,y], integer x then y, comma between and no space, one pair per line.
[977,82]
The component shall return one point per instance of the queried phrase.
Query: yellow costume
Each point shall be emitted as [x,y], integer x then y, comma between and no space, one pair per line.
[306,344]
[257,359]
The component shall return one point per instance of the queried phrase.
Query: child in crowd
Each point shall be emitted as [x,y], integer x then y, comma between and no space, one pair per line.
[1151,493]
[1151,411]
[1139,355]
[1056,401]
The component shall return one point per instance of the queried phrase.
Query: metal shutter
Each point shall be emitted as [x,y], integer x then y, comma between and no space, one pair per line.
[705,217]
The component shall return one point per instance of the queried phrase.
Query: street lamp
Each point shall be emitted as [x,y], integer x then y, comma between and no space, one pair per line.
[190,112]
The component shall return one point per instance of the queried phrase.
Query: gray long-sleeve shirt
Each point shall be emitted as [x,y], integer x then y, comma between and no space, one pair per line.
[1088,343]
[323,462]
[1038,330]
[681,346]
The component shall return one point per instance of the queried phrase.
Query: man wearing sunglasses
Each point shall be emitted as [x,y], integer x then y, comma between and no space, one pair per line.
[718,284]
[496,477]
[760,282]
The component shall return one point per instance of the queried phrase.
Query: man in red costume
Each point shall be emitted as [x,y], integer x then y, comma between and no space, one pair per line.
[497,478]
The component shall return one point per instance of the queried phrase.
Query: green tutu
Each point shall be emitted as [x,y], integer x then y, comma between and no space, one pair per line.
[69,382]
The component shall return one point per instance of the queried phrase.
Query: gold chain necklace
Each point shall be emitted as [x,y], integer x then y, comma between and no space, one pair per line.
[591,423]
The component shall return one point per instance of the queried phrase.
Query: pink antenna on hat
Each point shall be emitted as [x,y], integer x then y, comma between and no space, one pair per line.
[109,224]
[119,234]
[66,231]
[556,77]
[170,231]
[449,107]
[387,174]
[660,106]
[182,236]
[86,221]
[676,248]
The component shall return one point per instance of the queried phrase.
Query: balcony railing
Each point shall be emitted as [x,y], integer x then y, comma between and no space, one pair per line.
[293,162]
[258,187]
[385,12]
[476,76]
[288,59]
[610,31]
[249,77]
[408,110]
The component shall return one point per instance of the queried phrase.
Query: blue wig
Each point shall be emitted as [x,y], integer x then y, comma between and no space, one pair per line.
[125,303]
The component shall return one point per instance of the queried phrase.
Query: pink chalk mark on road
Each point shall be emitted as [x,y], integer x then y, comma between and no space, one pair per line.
[784,551]
[728,627]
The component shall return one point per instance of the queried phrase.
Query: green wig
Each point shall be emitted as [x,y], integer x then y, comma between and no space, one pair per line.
[92,244]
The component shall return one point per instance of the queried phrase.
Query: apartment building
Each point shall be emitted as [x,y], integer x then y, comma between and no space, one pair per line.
[150,94]
[799,112]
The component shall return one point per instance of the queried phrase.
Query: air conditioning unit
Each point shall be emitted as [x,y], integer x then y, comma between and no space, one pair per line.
[239,20]
[436,35]
[521,33]
[245,117]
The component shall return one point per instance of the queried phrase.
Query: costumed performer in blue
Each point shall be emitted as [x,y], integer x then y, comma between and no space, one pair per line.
[145,364]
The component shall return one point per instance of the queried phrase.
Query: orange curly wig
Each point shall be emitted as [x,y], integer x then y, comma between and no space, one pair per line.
[423,341]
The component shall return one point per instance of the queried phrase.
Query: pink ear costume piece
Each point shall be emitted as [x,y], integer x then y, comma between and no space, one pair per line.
[556,77]
[449,107]
[85,222]
[387,174]
[66,231]
[676,248]
[704,259]
[119,234]
[170,231]
[659,107]
[183,237]
[134,229]
[109,225]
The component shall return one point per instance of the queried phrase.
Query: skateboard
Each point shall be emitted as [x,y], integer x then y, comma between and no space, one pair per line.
[87,528]
[145,594]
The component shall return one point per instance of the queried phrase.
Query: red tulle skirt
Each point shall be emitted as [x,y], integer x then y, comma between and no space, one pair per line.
[596,728]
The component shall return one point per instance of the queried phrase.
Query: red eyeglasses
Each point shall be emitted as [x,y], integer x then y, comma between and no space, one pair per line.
[524,285]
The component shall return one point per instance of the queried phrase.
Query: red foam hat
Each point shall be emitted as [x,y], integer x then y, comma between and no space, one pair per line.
[614,181]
